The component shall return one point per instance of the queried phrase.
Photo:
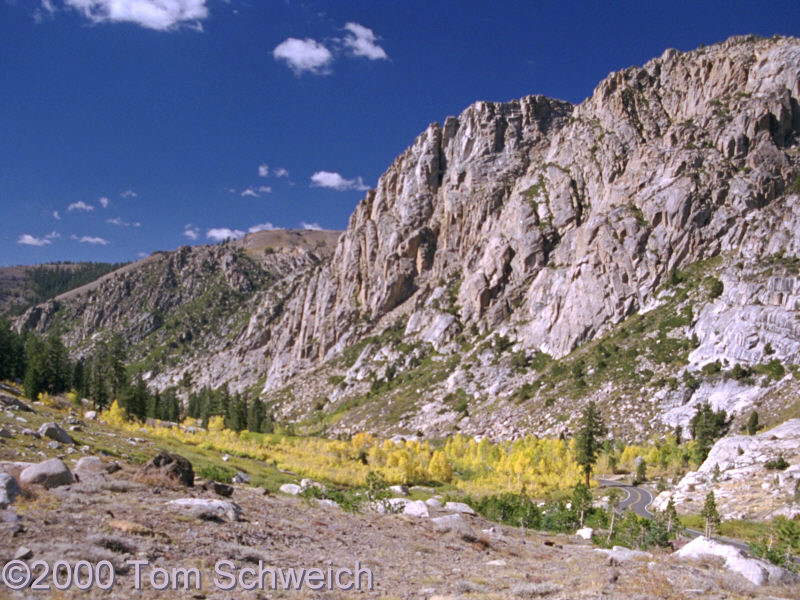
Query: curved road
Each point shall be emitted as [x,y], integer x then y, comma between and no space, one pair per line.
[639,499]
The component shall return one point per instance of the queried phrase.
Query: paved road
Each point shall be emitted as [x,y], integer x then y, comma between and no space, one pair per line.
[638,499]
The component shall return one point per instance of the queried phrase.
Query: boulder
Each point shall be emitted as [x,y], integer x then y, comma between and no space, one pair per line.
[290,488]
[54,432]
[9,490]
[585,533]
[454,523]
[221,489]
[209,509]
[173,467]
[417,508]
[90,467]
[90,415]
[459,507]
[14,403]
[756,571]
[50,473]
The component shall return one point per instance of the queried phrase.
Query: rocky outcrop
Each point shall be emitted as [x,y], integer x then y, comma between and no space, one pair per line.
[756,571]
[559,221]
[168,467]
[737,470]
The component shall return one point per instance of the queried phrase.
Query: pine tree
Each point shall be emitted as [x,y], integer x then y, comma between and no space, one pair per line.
[670,516]
[589,439]
[641,472]
[710,514]
[752,423]
[115,365]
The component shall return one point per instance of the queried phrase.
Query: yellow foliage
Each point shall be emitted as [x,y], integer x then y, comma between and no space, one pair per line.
[114,416]
[216,424]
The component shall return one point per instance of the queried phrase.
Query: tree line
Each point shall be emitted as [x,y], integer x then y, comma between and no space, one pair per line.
[44,366]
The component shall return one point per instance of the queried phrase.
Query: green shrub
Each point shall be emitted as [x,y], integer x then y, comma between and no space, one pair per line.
[778,464]
[216,473]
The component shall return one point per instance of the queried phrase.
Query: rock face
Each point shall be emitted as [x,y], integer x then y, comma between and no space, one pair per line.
[744,487]
[758,572]
[542,222]
[172,467]
[50,473]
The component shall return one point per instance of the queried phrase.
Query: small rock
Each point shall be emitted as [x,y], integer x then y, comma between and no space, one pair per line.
[5,433]
[586,533]
[417,508]
[9,490]
[459,507]
[53,445]
[497,563]
[241,478]
[434,503]
[31,433]
[54,432]
[618,555]
[400,490]
[290,488]
[90,415]
[203,508]
[50,473]
[23,553]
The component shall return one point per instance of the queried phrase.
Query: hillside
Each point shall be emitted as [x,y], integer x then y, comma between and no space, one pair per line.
[24,286]
[515,262]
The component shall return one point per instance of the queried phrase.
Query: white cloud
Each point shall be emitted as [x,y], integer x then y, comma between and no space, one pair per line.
[80,205]
[263,170]
[103,202]
[191,232]
[280,172]
[262,227]
[335,181]
[161,15]
[87,239]
[361,42]
[142,254]
[56,216]
[310,226]
[304,55]
[120,222]
[265,189]
[129,194]
[223,233]
[31,240]
[249,192]
[52,235]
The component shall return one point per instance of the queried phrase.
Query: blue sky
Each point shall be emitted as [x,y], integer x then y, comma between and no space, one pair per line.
[140,125]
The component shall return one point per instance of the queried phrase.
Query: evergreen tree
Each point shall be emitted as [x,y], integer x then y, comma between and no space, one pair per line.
[255,415]
[678,435]
[641,472]
[752,423]
[670,517]
[589,439]
[35,376]
[12,363]
[710,514]
[58,370]
[706,426]
[115,365]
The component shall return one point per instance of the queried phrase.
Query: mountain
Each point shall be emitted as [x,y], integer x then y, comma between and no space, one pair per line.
[514,263]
